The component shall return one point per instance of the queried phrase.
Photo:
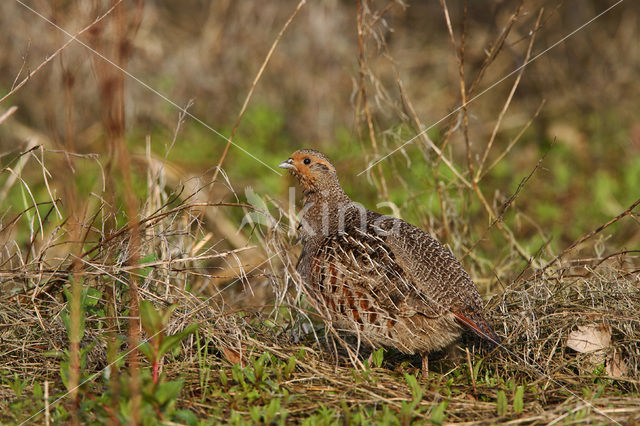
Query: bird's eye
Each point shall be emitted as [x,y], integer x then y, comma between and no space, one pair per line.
[307,160]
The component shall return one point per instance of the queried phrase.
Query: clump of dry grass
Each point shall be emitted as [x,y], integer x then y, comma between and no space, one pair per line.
[163,249]
[539,314]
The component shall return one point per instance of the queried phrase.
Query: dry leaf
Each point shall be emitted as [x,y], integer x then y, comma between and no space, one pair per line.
[616,366]
[590,338]
[234,357]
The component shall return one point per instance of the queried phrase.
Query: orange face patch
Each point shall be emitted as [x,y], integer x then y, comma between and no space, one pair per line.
[304,164]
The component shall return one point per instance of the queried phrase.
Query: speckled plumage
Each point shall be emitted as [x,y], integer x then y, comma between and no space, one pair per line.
[378,276]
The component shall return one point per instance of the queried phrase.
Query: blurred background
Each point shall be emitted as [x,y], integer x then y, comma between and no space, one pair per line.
[356,82]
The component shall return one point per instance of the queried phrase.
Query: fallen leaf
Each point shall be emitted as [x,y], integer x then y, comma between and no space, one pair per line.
[234,357]
[590,338]
[616,366]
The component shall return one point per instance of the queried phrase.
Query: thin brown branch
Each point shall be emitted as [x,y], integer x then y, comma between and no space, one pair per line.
[465,128]
[496,48]
[513,142]
[363,95]
[588,235]
[57,52]
[507,103]
[8,113]
[418,128]
[253,86]
[506,207]
[381,13]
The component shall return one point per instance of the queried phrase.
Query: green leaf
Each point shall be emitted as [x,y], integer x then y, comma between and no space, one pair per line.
[172,341]
[250,375]
[599,390]
[258,366]
[256,201]
[271,410]
[64,373]
[377,357]
[164,320]
[91,297]
[186,416]
[406,412]
[346,412]
[476,368]
[65,314]
[223,378]
[168,391]
[291,365]
[145,348]
[438,415]
[18,385]
[37,390]
[416,390]
[237,374]
[254,413]
[150,318]
[518,400]
[151,257]
[501,403]
[253,395]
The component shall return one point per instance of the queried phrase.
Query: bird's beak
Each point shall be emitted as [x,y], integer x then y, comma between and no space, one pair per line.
[287,165]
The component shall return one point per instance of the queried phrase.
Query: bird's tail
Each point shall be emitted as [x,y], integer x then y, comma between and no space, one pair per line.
[477,324]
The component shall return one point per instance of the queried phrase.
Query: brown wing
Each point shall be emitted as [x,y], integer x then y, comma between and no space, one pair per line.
[434,281]
[363,262]
[437,275]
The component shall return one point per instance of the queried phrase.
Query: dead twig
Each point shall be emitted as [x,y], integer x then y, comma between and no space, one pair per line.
[57,52]
[588,235]
[507,102]
[253,86]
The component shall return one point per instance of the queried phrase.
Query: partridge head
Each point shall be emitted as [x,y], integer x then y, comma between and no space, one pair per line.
[313,170]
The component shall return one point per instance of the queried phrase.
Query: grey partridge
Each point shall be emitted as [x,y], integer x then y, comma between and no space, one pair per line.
[378,276]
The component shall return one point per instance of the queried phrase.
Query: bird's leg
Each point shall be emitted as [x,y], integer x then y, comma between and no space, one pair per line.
[425,365]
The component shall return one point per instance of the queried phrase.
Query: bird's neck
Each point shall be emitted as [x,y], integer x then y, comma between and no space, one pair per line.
[322,212]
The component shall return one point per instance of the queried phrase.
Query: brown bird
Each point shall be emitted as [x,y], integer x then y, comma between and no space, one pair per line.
[377,276]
